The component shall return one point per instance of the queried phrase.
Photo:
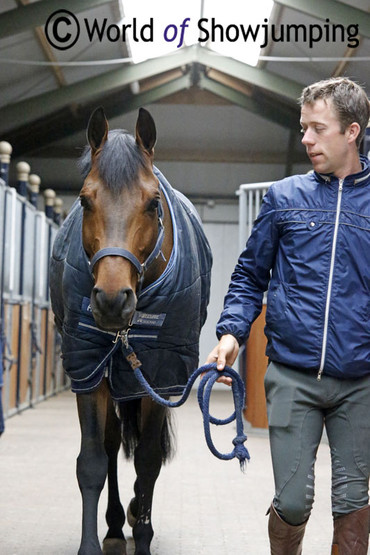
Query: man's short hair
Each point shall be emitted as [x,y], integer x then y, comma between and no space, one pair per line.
[349,100]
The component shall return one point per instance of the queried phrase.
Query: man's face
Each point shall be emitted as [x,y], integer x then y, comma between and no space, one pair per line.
[327,148]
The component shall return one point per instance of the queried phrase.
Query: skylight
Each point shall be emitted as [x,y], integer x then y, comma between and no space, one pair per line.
[242,20]
[232,28]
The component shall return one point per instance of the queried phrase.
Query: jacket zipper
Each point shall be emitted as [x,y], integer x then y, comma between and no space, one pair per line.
[330,282]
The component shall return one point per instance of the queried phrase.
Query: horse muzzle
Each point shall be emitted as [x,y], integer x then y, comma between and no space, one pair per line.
[113,312]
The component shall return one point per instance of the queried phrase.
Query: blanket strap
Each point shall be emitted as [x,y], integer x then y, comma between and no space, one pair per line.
[210,376]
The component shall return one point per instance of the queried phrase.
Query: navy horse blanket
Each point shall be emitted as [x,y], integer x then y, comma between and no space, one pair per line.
[169,314]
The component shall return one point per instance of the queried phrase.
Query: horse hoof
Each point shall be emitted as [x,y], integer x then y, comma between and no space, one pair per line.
[131,519]
[114,546]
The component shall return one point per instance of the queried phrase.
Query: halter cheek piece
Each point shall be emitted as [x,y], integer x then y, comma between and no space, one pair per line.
[118,251]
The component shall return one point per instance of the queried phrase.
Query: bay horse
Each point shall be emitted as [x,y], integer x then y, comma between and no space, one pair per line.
[130,264]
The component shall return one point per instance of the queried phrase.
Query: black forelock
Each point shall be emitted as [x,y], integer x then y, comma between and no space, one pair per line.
[118,162]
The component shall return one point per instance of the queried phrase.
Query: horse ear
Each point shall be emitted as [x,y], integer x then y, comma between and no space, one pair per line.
[146,134]
[97,129]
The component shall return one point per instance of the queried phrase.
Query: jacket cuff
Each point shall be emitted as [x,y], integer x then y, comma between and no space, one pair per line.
[240,340]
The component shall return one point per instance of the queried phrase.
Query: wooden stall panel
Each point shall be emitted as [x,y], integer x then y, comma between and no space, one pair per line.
[256,365]
[42,360]
[24,354]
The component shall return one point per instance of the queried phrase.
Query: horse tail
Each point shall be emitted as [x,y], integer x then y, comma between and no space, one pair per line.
[168,437]
[129,412]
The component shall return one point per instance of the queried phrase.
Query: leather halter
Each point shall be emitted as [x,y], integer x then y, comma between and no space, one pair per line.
[124,253]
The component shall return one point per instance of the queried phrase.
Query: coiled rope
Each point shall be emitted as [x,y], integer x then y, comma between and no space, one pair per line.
[211,374]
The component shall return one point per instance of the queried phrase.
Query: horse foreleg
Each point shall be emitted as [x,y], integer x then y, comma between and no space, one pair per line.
[148,462]
[92,463]
[114,542]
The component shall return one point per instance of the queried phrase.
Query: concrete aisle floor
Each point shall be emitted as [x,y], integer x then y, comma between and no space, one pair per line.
[201,506]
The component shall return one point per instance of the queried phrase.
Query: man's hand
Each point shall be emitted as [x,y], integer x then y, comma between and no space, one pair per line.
[223,354]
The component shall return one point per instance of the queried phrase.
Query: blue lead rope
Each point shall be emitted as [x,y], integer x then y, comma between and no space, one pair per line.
[211,374]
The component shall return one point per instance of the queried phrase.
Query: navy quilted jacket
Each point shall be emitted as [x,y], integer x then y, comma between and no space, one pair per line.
[313,234]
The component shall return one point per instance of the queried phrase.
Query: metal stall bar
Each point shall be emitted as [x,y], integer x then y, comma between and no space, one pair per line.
[37,296]
[250,197]
[23,170]
[44,237]
[5,153]
[9,272]
[2,262]
[47,309]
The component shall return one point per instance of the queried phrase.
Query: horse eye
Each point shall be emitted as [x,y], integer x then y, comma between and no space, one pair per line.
[85,203]
[153,205]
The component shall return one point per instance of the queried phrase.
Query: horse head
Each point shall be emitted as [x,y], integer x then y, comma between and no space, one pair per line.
[123,214]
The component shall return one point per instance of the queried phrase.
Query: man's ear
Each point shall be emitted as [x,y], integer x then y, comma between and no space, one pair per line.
[353,131]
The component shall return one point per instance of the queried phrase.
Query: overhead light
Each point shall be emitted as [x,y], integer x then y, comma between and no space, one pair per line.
[236,29]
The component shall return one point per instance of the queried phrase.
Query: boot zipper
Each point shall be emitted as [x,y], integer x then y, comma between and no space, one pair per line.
[330,282]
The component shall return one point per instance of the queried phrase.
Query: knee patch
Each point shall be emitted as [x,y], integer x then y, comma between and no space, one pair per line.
[294,513]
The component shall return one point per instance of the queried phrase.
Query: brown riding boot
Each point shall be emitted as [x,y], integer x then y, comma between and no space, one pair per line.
[285,539]
[351,533]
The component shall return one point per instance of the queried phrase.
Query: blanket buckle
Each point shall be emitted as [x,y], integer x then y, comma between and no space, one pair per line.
[123,336]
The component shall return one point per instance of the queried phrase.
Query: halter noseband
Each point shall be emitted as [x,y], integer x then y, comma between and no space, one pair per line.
[124,253]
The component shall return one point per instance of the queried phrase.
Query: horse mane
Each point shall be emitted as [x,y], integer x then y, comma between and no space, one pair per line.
[118,162]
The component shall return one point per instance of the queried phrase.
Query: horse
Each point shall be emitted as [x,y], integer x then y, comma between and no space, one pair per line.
[130,267]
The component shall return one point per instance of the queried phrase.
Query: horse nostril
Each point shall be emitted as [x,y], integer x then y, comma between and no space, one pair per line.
[114,303]
[127,300]
[98,296]
[123,296]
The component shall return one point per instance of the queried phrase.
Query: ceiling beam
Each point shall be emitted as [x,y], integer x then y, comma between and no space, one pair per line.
[342,65]
[34,108]
[271,110]
[150,96]
[36,14]
[48,52]
[29,139]
[31,109]
[333,10]
[229,81]
[255,76]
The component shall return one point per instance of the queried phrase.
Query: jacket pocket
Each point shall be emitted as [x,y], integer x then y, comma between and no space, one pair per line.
[277,298]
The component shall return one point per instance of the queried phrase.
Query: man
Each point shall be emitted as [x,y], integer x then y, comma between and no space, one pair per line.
[311,244]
